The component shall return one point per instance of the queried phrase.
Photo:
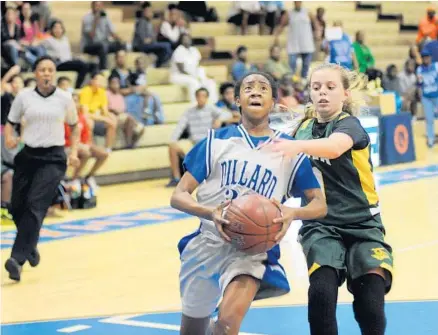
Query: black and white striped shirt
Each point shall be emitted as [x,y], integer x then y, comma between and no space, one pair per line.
[43,117]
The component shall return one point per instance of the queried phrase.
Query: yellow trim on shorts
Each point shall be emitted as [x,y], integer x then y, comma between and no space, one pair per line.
[387,267]
[313,268]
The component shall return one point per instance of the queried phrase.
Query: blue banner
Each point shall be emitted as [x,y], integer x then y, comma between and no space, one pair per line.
[396,139]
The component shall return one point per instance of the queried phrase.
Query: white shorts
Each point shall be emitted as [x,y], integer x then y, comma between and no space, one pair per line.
[208,265]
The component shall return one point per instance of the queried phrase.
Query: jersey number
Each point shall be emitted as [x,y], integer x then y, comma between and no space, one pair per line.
[318,175]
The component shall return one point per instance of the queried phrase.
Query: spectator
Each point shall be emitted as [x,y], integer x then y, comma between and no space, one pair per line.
[145,39]
[97,29]
[94,101]
[197,11]
[363,53]
[30,32]
[86,149]
[408,87]
[122,72]
[227,103]
[64,83]
[7,175]
[8,155]
[143,105]
[10,37]
[287,93]
[414,54]
[196,121]
[244,14]
[16,84]
[427,75]
[318,27]
[172,28]
[340,48]
[241,65]
[152,108]
[132,129]
[58,47]
[274,66]
[42,14]
[391,82]
[185,69]
[271,11]
[226,100]
[7,75]
[300,37]
[428,27]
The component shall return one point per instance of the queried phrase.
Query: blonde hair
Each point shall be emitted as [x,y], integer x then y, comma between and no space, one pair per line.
[352,81]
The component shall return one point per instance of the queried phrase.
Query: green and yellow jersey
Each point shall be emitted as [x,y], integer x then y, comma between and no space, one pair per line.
[348,180]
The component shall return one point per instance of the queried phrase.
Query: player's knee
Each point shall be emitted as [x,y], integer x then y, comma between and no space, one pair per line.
[369,303]
[323,295]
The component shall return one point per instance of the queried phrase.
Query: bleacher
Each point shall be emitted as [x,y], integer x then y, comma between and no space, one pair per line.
[150,158]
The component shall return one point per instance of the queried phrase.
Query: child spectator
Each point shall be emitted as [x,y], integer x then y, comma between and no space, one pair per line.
[227,103]
[93,98]
[132,129]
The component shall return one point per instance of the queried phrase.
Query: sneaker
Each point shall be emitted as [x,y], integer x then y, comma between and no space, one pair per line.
[34,258]
[13,268]
[92,183]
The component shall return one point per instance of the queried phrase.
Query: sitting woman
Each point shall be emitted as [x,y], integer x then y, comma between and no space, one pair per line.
[185,70]
[86,149]
[30,31]
[58,47]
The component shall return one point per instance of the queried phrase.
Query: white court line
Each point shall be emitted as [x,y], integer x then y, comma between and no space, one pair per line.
[123,320]
[417,246]
[73,329]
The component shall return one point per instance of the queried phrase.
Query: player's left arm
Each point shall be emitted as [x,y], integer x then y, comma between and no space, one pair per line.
[347,134]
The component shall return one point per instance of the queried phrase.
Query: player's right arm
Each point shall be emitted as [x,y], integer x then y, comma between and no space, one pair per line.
[195,164]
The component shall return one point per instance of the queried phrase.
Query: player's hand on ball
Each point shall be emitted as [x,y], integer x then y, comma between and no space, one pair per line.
[287,216]
[218,218]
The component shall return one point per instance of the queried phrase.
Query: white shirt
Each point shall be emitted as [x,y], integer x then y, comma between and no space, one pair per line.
[58,48]
[190,59]
[172,33]
[43,117]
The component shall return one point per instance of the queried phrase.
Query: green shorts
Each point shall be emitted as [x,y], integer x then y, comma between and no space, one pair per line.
[353,250]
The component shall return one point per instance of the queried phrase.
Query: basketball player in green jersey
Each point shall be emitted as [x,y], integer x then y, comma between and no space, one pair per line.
[349,242]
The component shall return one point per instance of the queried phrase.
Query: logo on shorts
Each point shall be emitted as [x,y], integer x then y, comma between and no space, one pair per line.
[380,254]
[401,139]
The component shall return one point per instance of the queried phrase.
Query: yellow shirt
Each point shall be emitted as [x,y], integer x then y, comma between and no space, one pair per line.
[95,101]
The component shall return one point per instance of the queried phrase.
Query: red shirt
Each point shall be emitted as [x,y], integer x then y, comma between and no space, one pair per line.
[84,130]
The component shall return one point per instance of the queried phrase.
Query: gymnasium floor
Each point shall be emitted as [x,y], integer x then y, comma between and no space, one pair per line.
[113,270]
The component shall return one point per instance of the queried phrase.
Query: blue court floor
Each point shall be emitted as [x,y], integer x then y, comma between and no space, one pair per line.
[404,318]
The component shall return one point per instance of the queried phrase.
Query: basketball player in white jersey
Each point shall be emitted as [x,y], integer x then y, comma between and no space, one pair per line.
[222,167]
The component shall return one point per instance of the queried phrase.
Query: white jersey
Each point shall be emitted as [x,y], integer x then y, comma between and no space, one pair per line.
[234,164]
[228,164]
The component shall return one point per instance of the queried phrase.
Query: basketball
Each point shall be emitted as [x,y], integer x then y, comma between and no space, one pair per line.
[251,227]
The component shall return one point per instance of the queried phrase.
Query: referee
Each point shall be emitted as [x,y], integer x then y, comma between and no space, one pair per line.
[41,164]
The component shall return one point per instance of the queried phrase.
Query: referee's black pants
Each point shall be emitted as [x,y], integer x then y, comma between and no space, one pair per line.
[38,172]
